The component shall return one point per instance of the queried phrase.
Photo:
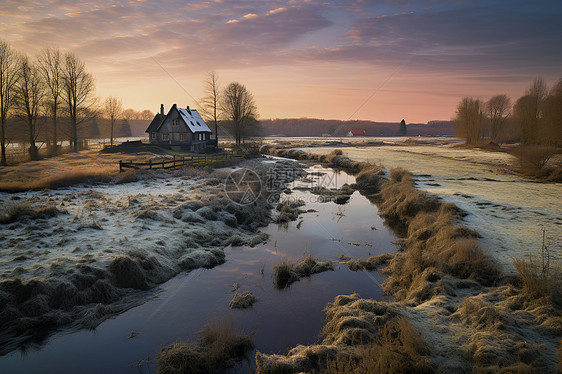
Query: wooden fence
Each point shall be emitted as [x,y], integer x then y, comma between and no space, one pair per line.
[180,161]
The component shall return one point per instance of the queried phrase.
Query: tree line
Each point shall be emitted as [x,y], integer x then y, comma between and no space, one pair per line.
[51,89]
[534,120]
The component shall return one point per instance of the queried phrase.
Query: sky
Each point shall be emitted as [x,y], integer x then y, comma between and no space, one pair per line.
[381,60]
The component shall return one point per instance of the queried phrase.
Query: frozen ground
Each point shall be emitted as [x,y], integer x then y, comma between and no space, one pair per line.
[279,319]
[76,255]
[509,211]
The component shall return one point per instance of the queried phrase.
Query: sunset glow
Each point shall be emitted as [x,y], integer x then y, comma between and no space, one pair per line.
[382,60]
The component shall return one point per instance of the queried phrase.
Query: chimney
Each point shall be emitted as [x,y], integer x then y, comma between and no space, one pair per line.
[188,107]
[162,109]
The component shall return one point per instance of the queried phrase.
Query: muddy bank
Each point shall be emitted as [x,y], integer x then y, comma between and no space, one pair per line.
[470,315]
[74,257]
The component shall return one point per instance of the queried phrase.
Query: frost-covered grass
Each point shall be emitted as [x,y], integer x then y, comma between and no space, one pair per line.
[285,273]
[76,256]
[242,300]
[219,347]
[450,290]
[360,336]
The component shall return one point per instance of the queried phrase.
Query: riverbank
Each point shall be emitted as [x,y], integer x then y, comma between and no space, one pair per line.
[470,315]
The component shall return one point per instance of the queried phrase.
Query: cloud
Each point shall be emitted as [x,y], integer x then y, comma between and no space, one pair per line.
[467,36]
[493,37]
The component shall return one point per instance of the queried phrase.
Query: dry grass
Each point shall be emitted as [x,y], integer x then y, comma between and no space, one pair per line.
[399,174]
[286,273]
[219,347]
[538,282]
[289,211]
[371,264]
[401,201]
[435,243]
[64,170]
[360,336]
[242,300]
[398,348]
[20,210]
[477,312]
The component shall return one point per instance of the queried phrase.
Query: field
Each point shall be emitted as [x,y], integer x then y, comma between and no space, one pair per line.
[106,244]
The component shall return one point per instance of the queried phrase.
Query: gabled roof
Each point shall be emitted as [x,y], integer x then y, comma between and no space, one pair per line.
[357,132]
[193,120]
[155,124]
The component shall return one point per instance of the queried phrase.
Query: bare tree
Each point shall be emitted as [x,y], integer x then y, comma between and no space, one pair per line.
[211,100]
[498,111]
[469,121]
[78,89]
[146,115]
[113,110]
[552,116]
[30,92]
[130,114]
[528,110]
[8,78]
[239,110]
[51,67]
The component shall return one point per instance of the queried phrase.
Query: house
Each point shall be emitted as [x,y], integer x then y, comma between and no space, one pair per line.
[180,129]
[356,133]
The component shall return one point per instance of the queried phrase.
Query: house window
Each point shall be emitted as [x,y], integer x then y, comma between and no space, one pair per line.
[175,122]
[153,135]
[165,137]
[183,137]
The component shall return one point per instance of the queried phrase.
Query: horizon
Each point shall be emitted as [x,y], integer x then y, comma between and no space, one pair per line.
[380,61]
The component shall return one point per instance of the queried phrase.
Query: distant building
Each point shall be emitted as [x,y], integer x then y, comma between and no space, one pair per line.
[180,129]
[325,134]
[356,133]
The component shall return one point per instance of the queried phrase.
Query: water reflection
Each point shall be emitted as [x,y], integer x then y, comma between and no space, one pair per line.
[279,320]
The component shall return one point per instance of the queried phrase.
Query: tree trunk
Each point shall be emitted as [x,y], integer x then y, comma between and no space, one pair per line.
[55,148]
[75,134]
[3,161]
[3,151]
[33,153]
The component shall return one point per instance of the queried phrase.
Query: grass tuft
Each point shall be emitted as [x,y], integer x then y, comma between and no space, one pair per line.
[286,273]
[397,348]
[219,347]
[242,300]
[540,282]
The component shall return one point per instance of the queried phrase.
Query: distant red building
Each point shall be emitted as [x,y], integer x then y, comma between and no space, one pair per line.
[356,133]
